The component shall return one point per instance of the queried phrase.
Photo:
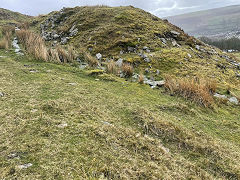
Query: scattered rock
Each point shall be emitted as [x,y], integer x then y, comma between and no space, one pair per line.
[175,33]
[25,166]
[64,40]
[13,156]
[189,55]
[220,96]
[1,94]
[233,100]
[119,62]
[72,84]
[157,72]
[197,47]
[99,56]
[62,125]
[147,60]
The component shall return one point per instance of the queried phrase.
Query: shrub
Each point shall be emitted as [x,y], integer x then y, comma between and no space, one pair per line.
[200,91]
[127,69]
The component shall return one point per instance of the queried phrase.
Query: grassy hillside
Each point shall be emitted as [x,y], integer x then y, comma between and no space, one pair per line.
[209,22]
[59,120]
[59,123]
[8,17]
[146,41]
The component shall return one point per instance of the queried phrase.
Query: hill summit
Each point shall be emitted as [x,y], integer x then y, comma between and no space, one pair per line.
[128,34]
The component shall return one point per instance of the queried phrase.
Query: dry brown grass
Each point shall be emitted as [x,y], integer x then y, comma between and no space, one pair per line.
[5,42]
[112,68]
[92,61]
[34,44]
[127,69]
[198,90]
[141,78]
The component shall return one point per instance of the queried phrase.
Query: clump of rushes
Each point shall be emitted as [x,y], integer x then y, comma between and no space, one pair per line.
[200,90]
[111,67]
[127,69]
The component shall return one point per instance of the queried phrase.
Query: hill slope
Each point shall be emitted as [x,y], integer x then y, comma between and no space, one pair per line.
[57,122]
[219,23]
[10,17]
[151,44]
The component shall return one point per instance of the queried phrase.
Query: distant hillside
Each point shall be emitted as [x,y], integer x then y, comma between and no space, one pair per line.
[219,23]
[10,17]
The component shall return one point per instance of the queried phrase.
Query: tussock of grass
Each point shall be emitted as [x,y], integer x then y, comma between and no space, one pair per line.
[5,42]
[35,45]
[197,90]
[127,69]
[141,78]
[112,68]
[92,61]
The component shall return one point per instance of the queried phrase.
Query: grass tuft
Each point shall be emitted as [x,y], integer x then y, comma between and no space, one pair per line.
[198,90]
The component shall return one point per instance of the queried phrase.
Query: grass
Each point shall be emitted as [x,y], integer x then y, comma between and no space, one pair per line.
[115,129]
[199,90]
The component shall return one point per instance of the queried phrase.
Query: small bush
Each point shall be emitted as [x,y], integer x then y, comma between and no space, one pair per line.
[200,91]
[127,69]
[5,42]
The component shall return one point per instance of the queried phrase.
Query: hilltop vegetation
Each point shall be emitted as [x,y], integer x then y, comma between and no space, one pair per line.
[134,36]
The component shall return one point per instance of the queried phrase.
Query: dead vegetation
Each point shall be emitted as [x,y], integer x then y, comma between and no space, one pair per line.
[198,90]
[35,45]
[127,69]
[5,42]
[112,68]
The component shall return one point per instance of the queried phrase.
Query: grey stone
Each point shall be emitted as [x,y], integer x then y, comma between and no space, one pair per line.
[72,84]
[25,166]
[164,41]
[189,55]
[220,96]
[64,40]
[157,72]
[99,56]
[147,60]
[63,125]
[145,48]
[175,33]
[131,49]
[119,62]
[197,47]
[56,36]
[233,100]
[1,94]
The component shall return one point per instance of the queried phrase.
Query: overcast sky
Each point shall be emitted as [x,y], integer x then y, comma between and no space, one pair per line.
[161,8]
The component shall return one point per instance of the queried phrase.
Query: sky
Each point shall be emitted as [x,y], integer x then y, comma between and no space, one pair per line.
[161,8]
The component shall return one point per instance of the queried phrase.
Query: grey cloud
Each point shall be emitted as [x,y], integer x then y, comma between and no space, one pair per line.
[160,8]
